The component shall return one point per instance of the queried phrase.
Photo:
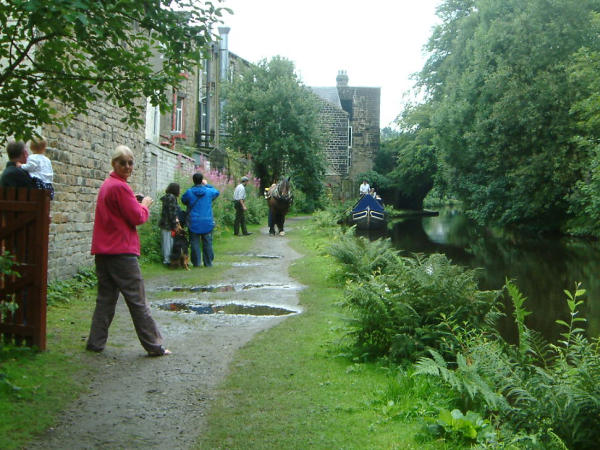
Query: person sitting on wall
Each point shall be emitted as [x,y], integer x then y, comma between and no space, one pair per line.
[39,166]
[13,175]
[364,188]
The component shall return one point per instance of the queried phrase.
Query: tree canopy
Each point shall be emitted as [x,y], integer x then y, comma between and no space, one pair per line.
[503,105]
[77,51]
[275,119]
[406,161]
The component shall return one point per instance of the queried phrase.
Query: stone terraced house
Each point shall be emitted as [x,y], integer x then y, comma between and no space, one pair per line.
[80,152]
[350,117]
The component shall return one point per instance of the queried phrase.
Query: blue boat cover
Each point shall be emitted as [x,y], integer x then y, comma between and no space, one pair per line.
[368,200]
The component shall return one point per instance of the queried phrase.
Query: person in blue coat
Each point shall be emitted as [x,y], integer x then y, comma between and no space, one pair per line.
[201,223]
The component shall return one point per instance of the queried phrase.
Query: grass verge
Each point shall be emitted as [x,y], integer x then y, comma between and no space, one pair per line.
[36,386]
[292,386]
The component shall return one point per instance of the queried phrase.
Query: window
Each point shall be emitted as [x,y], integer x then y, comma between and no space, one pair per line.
[156,122]
[349,137]
[178,115]
[203,120]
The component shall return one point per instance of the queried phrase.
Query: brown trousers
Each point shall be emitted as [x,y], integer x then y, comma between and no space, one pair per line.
[121,273]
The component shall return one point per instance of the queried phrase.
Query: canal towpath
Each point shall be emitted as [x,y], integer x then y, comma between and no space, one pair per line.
[135,401]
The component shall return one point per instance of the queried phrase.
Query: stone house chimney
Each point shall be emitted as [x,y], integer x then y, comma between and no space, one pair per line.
[342,78]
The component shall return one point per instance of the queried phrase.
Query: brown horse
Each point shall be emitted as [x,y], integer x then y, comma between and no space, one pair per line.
[279,200]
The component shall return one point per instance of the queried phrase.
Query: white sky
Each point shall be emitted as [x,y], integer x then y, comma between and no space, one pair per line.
[378,42]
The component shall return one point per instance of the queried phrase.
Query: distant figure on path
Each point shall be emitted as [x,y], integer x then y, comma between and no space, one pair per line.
[199,200]
[116,246]
[279,200]
[39,166]
[13,175]
[169,218]
[364,188]
[270,222]
[239,197]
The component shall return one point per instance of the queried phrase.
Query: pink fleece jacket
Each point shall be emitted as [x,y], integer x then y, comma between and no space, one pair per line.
[117,214]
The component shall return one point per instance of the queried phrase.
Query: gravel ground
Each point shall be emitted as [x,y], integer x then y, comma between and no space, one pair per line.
[140,402]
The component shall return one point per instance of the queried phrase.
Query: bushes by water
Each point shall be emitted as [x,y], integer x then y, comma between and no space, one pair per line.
[400,305]
[540,395]
[534,394]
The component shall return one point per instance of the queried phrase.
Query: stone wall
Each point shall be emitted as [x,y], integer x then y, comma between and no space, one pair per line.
[365,105]
[80,155]
[164,166]
[334,122]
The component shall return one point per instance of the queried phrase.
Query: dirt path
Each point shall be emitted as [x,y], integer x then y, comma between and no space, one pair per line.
[141,402]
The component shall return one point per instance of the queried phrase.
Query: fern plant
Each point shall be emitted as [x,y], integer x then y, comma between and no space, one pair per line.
[359,258]
[540,393]
[399,304]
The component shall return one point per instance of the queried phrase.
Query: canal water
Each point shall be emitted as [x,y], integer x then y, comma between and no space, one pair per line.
[542,267]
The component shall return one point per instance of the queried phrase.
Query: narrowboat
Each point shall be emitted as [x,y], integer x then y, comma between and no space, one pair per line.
[368,213]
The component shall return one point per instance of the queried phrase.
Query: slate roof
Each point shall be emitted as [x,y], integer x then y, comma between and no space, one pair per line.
[329,94]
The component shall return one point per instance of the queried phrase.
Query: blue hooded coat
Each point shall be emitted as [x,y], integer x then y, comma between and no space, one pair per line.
[199,200]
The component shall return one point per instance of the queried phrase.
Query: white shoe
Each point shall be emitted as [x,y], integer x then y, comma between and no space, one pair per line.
[282,233]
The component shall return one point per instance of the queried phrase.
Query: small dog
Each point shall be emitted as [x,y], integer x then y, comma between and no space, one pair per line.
[179,253]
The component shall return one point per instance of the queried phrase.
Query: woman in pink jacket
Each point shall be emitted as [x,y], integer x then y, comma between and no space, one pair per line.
[116,246]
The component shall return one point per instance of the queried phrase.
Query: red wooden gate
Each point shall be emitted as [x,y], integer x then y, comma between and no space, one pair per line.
[24,228]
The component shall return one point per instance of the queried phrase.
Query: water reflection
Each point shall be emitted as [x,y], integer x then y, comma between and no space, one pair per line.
[541,267]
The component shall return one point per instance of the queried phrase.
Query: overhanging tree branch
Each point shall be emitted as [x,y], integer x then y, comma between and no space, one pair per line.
[72,61]
[12,66]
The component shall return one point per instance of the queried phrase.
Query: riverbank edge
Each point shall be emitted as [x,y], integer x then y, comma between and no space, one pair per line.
[292,386]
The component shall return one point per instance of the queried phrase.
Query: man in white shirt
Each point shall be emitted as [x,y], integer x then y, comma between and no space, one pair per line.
[239,197]
[364,188]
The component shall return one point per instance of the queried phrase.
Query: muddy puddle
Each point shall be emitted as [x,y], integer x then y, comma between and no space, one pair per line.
[257,255]
[226,308]
[227,287]
[247,264]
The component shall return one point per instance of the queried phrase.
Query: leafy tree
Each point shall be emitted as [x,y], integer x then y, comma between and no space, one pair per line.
[406,164]
[497,81]
[77,51]
[584,200]
[415,168]
[388,133]
[274,118]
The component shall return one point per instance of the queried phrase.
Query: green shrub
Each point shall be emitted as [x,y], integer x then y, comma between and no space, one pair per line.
[63,291]
[7,267]
[541,395]
[462,428]
[402,313]
[324,219]
[359,258]
[150,239]
[224,211]
[301,204]
[399,305]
